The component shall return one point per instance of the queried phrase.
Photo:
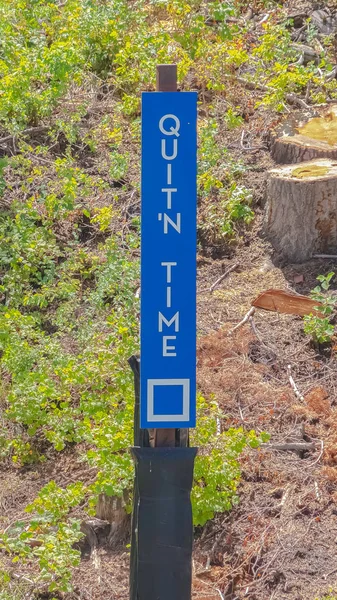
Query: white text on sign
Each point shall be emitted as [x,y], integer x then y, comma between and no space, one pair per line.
[169,130]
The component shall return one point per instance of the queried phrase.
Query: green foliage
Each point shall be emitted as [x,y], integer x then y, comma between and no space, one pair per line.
[217,469]
[12,589]
[320,328]
[221,218]
[103,217]
[232,119]
[119,165]
[27,252]
[3,165]
[52,531]
[49,536]
[226,204]
[48,51]
[60,394]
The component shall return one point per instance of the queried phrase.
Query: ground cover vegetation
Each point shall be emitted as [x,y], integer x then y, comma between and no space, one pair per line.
[71,74]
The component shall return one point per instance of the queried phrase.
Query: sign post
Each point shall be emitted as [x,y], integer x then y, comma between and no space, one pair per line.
[162,531]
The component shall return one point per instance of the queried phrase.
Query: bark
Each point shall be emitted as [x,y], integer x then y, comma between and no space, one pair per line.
[324,21]
[306,54]
[112,510]
[301,209]
[296,149]
[307,138]
[95,533]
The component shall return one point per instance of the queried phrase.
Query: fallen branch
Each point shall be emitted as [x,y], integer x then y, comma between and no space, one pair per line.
[317,491]
[10,138]
[18,576]
[223,276]
[328,574]
[324,256]
[250,85]
[294,386]
[264,19]
[284,498]
[246,147]
[320,454]
[293,99]
[289,303]
[332,75]
[244,320]
[291,446]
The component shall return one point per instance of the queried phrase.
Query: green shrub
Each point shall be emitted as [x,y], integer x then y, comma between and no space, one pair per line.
[320,328]
[217,469]
[225,204]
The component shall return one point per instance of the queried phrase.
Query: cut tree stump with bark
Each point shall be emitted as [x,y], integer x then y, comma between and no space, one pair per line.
[301,209]
[324,21]
[306,139]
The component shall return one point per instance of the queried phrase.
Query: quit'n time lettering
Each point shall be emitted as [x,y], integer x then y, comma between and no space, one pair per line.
[169,126]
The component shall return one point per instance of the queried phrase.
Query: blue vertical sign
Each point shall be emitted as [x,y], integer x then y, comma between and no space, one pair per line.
[168,260]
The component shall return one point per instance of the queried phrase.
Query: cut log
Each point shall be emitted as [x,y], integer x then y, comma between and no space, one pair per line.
[306,54]
[324,21]
[306,139]
[301,209]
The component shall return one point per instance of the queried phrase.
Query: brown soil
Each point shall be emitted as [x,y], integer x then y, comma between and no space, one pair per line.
[280,541]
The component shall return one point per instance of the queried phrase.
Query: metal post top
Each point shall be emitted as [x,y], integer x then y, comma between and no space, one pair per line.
[166,78]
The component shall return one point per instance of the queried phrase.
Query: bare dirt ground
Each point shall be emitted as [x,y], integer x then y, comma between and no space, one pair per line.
[280,542]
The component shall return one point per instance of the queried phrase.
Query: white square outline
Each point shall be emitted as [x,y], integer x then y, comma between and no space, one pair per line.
[185,416]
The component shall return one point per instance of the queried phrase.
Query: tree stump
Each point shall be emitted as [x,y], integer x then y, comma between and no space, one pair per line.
[112,510]
[324,21]
[301,209]
[314,137]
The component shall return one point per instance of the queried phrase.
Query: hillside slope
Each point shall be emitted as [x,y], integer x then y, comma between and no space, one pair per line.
[71,74]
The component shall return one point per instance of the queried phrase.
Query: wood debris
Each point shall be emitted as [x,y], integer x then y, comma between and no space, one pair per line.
[287,303]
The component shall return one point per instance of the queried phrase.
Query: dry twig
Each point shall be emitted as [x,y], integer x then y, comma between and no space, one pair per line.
[293,385]
[244,320]
[324,256]
[320,454]
[223,276]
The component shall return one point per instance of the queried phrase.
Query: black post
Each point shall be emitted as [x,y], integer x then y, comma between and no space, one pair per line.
[141,436]
[140,439]
[164,537]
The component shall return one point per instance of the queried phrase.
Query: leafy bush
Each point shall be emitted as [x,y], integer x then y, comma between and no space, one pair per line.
[49,536]
[320,328]
[217,469]
[225,204]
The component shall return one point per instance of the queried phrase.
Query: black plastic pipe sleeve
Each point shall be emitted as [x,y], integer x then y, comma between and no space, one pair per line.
[162,535]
